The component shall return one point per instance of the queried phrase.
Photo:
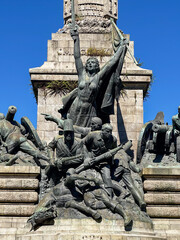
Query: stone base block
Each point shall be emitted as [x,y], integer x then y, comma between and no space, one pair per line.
[18,190]
[164,211]
[16,210]
[169,228]
[162,191]
[14,228]
[162,198]
[162,185]
[20,170]
[162,195]
[162,172]
[18,197]
[89,237]
[19,183]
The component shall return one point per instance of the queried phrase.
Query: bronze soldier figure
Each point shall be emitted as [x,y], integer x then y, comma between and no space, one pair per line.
[97,143]
[80,132]
[68,193]
[123,171]
[13,140]
[66,146]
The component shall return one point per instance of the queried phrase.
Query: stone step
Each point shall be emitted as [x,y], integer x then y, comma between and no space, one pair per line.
[113,225]
[162,185]
[167,227]
[16,210]
[165,211]
[88,230]
[19,183]
[158,173]
[166,224]
[5,229]
[8,237]
[15,231]
[87,237]
[162,198]
[173,238]
[13,219]
[56,233]
[170,234]
[22,171]
[16,228]
[18,196]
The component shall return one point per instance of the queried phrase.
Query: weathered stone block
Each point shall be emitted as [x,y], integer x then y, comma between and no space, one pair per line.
[162,185]
[50,135]
[163,211]
[170,172]
[19,197]
[16,210]
[30,170]
[41,100]
[131,127]
[162,198]
[18,183]
[46,126]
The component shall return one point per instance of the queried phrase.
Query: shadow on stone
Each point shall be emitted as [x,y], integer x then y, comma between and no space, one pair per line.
[48,222]
[129,227]
[158,158]
[122,130]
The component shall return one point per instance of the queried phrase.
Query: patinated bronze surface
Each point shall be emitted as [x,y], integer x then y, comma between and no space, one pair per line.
[84,173]
[86,177]
[97,88]
[16,138]
[89,175]
[159,143]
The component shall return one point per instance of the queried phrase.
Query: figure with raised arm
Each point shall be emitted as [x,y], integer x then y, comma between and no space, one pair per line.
[80,132]
[95,93]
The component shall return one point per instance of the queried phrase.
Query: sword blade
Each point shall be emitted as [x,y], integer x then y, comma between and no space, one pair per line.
[73,13]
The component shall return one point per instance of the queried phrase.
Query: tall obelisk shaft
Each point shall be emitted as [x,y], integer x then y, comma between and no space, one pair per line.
[92,9]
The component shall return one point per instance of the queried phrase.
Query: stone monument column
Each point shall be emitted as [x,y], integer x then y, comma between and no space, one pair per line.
[91,8]
[93,19]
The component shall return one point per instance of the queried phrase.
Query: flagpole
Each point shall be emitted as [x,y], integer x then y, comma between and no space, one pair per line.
[72,14]
[122,37]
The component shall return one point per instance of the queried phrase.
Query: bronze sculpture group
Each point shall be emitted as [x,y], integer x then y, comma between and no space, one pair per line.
[83,172]
[84,175]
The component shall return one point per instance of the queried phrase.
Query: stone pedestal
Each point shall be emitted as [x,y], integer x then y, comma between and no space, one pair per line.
[18,186]
[18,190]
[162,195]
[75,229]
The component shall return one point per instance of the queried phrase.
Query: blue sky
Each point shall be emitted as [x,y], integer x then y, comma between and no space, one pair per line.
[25,27]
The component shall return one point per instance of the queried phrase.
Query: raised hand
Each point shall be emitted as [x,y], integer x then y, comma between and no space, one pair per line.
[74,33]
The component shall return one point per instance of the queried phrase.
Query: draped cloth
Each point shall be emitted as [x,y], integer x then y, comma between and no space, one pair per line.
[113,82]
